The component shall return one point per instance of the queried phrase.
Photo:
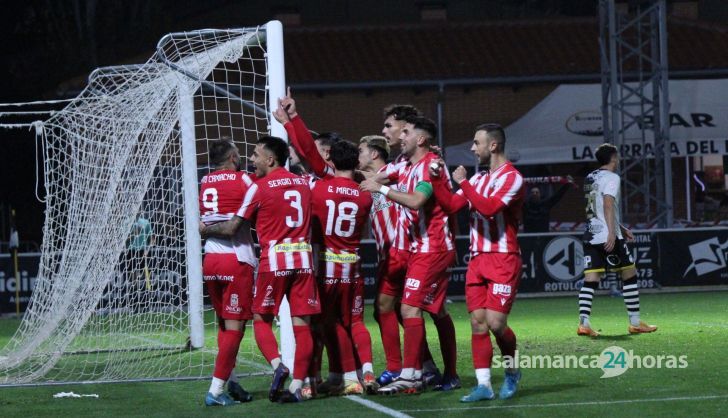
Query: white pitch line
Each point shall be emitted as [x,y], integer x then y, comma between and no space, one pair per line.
[377,407]
[551,405]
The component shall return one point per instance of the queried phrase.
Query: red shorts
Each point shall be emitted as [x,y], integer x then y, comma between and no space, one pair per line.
[491,281]
[298,285]
[391,272]
[230,286]
[357,307]
[427,277]
[337,298]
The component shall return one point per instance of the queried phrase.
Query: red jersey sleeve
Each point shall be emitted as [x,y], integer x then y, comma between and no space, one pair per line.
[489,206]
[449,201]
[305,146]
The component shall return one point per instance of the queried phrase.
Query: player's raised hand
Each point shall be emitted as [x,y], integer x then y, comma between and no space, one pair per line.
[459,174]
[280,113]
[370,185]
[435,167]
[288,104]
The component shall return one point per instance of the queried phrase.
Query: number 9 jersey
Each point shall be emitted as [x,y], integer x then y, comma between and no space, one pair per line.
[279,204]
[221,193]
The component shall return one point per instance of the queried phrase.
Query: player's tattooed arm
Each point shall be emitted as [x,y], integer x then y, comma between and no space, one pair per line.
[222,229]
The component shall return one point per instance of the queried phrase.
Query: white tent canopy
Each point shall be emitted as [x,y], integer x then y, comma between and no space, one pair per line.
[566,126]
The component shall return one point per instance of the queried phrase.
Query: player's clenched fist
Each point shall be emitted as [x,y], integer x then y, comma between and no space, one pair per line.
[459,174]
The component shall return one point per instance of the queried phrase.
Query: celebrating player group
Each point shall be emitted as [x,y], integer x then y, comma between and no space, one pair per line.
[309,227]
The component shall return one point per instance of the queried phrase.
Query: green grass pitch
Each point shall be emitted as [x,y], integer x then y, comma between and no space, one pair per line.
[693,324]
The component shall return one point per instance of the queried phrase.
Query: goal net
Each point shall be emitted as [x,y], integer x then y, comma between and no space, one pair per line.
[119,294]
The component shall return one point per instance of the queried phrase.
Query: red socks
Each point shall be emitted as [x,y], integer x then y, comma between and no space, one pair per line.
[304,351]
[448,345]
[389,328]
[363,341]
[346,351]
[507,343]
[414,335]
[482,350]
[266,340]
[228,343]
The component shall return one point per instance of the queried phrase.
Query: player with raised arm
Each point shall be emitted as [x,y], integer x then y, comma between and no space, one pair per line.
[340,211]
[495,198]
[279,203]
[605,247]
[315,153]
[227,268]
[433,253]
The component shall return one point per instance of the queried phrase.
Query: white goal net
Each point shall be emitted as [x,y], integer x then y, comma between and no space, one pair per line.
[119,290]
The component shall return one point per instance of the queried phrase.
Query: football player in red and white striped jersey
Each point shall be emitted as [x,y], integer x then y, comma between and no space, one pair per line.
[433,253]
[495,198]
[317,154]
[340,212]
[395,252]
[279,203]
[227,268]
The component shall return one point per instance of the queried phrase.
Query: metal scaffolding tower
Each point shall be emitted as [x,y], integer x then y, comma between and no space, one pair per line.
[633,47]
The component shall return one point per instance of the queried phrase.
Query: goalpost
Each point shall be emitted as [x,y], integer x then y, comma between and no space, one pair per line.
[119,292]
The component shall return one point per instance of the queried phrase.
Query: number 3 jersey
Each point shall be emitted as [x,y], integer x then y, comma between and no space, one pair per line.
[340,212]
[221,193]
[597,184]
[279,205]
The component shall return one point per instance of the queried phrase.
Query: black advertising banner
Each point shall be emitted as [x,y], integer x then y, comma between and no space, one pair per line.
[695,259]
[28,266]
[552,263]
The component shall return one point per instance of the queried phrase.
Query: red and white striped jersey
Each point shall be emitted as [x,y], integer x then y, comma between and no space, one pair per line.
[339,216]
[498,233]
[429,226]
[383,218]
[221,194]
[402,237]
[280,206]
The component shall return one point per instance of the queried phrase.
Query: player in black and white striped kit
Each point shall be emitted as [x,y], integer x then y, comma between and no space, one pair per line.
[605,246]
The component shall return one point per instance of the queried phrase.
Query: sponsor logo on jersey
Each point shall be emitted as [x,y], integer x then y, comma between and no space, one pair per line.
[292,247]
[344,258]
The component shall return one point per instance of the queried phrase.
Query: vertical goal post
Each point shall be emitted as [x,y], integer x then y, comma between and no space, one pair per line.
[132,145]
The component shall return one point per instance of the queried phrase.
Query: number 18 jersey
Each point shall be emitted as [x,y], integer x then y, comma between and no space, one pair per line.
[340,212]
[279,204]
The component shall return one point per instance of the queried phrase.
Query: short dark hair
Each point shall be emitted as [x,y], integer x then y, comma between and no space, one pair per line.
[220,150]
[344,155]
[277,146]
[495,132]
[604,153]
[401,112]
[328,139]
[424,124]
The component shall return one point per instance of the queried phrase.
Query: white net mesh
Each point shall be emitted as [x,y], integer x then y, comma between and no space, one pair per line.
[111,298]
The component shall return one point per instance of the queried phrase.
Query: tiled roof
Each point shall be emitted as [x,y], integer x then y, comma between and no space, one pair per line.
[477,50]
